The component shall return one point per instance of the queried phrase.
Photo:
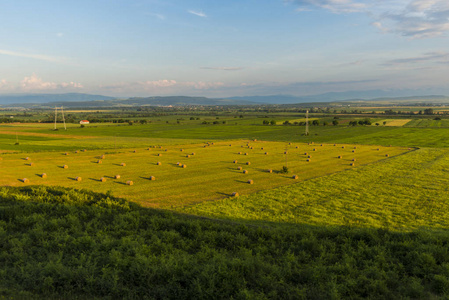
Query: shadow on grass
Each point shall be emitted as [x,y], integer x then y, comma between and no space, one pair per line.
[122,183]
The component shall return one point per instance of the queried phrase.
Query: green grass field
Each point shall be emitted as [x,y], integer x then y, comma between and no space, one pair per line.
[210,174]
[377,229]
[407,192]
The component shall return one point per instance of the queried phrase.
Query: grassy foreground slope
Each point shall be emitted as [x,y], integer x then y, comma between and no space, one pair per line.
[406,192]
[63,243]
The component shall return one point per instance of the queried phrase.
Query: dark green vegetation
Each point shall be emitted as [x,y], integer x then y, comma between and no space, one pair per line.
[73,244]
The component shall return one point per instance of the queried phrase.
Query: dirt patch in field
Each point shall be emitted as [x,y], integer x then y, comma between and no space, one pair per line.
[52,135]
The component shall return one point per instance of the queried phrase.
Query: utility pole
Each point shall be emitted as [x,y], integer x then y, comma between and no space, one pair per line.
[56,113]
[63,119]
[307,122]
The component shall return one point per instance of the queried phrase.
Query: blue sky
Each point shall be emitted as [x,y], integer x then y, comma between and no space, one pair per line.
[223,48]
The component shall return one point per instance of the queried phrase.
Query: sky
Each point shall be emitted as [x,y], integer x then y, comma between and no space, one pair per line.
[223,48]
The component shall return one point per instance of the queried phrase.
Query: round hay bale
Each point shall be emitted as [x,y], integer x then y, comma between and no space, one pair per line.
[159,154]
[123,164]
[166,150]
[340,156]
[295,177]
[31,164]
[251,148]
[355,147]
[84,150]
[135,151]
[65,166]
[352,164]
[117,177]
[99,162]
[296,147]
[314,149]
[255,140]
[76,151]
[306,153]
[250,181]
[182,150]
[235,194]
[148,148]
[378,149]
[321,145]
[129,182]
[342,147]
[43,175]
[246,153]
[178,163]
[309,156]
[66,153]
[261,148]
[248,163]
[103,156]
[235,161]
[353,159]
[289,143]
[270,171]
[239,168]
[266,153]
[158,163]
[335,144]
[27,158]
[240,152]
[78,178]
[285,152]
[230,145]
[102,179]
[152,178]
[160,147]
[25,180]
[187,156]
[387,155]
[184,166]
[353,151]
[308,160]
[245,171]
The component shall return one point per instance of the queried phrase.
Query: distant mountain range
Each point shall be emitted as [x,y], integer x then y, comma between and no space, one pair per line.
[86,100]
[46,98]
[341,96]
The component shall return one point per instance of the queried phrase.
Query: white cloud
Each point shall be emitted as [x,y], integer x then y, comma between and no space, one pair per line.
[163,86]
[223,68]
[34,83]
[335,6]
[33,56]
[197,13]
[159,16]
[414,19]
